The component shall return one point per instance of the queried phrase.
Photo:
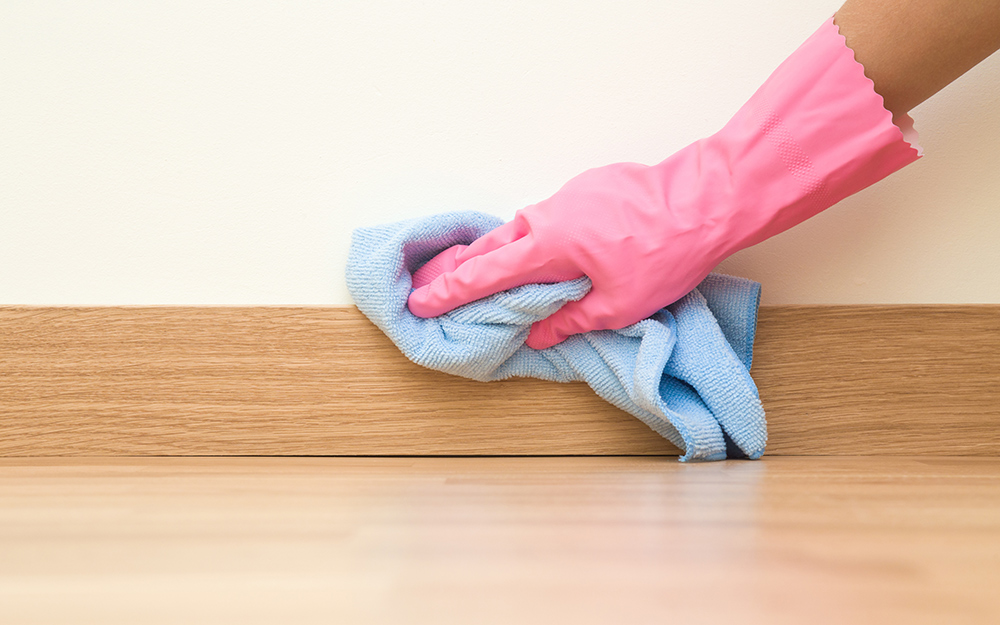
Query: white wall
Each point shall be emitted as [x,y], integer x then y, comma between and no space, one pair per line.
[221,152]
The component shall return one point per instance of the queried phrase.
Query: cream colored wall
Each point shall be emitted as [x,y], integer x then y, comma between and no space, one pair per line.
[221,153]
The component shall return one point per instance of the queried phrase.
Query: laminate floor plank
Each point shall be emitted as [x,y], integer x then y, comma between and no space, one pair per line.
[499,540]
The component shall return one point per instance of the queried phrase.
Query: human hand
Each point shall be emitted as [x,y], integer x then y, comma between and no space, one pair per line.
[611,224]
[814,133]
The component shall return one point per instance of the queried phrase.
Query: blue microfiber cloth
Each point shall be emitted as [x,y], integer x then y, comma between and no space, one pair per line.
[684,371]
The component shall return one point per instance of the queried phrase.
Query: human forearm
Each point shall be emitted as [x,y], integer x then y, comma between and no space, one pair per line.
[911,49]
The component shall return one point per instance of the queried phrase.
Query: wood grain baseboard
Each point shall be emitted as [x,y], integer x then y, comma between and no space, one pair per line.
[835,380]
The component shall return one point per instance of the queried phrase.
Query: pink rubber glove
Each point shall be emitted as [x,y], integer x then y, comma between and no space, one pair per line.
[814,133]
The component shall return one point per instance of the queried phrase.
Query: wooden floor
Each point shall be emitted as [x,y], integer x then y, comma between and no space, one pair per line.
[499,540]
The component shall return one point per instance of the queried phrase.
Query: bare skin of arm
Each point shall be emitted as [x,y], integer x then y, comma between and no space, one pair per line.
[911,49]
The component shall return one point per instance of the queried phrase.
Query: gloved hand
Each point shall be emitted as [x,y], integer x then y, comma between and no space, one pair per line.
[814,133]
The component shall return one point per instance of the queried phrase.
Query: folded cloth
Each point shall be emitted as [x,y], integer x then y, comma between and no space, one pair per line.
[684,371]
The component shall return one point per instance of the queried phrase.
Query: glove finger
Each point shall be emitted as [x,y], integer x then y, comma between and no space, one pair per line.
[504,268]
[451,258]
[442,263]
[495,239]
[596,311]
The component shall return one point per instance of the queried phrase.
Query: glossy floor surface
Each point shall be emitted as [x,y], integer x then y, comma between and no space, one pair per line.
[499,540]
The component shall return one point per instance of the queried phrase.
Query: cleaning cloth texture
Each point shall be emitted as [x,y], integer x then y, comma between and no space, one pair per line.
[684,371]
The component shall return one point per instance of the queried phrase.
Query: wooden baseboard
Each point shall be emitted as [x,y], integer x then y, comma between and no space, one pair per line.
[835,380]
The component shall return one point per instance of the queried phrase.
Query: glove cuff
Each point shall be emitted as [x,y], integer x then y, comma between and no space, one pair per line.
[814,133]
